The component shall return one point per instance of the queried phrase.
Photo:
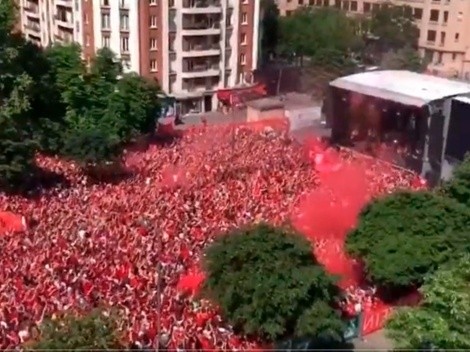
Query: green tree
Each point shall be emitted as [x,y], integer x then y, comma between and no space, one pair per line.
[308,31]
[134,106]
[91,145]
[17,149]
[458,187]
[71,333]
[407,235]
[443,318]
[390,28]
[265,278]
[270,29]
[7,19]
[403,59]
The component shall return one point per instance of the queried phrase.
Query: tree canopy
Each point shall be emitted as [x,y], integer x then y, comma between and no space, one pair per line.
[405,58]
[267,282]
[404,236]
[53,102]
[388,36]
[270,28]
[458,187]
[94,331]
[308,31]
[443,318]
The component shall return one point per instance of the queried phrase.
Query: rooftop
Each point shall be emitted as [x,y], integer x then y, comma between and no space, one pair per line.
[404,87]
[266,104]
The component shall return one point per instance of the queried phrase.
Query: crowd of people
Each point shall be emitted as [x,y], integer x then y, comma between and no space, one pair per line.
[127,245]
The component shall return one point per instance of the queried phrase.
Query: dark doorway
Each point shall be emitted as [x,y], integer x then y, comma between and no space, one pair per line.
[208,103]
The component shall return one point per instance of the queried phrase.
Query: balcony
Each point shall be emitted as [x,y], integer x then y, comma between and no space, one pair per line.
[31,9]
[198,50]
[64,21]
[64,3]
[63,36]
[200,28]
[201,6]
[32,26]
[199,71]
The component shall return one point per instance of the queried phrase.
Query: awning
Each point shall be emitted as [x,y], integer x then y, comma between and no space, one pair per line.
[239,95]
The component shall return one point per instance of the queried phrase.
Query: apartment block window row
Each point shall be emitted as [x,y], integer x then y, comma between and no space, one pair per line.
[153,22]
[105,21]
[153,44]
[153,65]
[125,44]
[106,41]
[124,22]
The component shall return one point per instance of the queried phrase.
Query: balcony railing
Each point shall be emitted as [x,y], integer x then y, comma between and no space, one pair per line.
[202,68]
[200,25]
[32,26]
[31,8]
[200,47]
[200,3]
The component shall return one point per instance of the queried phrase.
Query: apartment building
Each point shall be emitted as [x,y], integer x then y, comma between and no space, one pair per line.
[444,28]
[192,47]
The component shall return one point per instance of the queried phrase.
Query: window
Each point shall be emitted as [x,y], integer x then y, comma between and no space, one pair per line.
[106,41]
[105,21]
[243,39]
[439,58]
[443,38]
[428,55]
[153,21]
[354,6]
[418,13]
[301,2]
[434,16]
[454,56]
[86,19]
[446,16]
[152,2]
[124,22]
[338,4]
[366,7]
[123,4]
[105,3]
[153,44]
[457,37]
[125,44]
[244,18]
[153,65]
[242,59]
[87,40]
[431,37]
[289,13]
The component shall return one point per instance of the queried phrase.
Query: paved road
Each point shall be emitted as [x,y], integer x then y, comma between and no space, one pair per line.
[376,341]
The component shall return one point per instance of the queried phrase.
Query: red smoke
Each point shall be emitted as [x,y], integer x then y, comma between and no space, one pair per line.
[326,214]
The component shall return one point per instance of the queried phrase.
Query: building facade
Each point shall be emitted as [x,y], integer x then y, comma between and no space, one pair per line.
[192,47]
[444,28]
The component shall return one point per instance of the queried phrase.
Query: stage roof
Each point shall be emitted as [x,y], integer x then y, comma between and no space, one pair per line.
[405,87]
